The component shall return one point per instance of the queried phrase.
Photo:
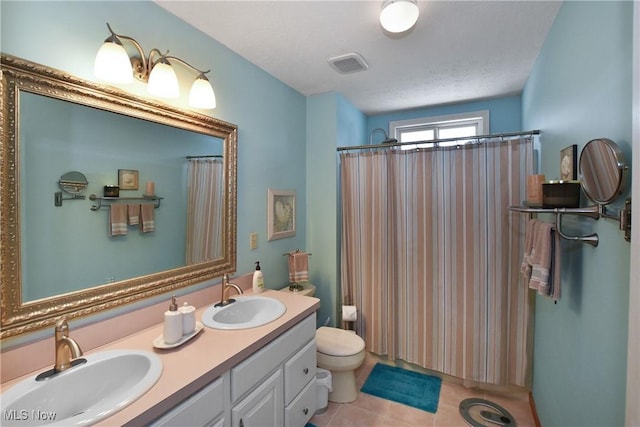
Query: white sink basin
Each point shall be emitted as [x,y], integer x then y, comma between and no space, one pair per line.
[247,312]
[84,394]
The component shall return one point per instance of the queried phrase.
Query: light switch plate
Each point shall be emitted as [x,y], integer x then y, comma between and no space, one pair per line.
[253,240]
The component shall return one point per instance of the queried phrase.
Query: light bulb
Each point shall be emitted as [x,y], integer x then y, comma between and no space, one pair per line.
[201,95]
[112,63]
[163,81]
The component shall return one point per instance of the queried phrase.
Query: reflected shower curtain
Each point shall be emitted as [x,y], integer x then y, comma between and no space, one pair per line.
[204,210]
[431,256]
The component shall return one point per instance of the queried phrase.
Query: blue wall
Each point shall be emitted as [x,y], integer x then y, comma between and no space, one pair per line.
[331,122]
[505,114]
[580,89]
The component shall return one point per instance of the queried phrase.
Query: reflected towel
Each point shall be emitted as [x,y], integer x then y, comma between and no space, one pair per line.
[298,267]
[134,214]
[147,225]
[118,219]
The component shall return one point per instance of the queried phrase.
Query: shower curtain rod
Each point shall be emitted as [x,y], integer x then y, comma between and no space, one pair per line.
[204,157]
[438,141]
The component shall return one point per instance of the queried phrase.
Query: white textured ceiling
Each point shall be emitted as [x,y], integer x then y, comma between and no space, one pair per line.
[458,51]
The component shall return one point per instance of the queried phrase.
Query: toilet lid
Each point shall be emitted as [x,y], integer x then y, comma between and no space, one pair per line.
[338,342]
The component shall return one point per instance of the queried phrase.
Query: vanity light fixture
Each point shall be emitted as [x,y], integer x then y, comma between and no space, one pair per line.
[398,16]
[113,64]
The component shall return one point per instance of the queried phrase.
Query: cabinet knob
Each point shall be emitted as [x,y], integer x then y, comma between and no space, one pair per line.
[305,371]
[305,411]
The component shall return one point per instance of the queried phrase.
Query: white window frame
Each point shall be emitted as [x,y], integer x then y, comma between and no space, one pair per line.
[477,118]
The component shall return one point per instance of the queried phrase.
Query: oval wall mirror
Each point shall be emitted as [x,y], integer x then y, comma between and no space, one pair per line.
[602,170]
[73,182]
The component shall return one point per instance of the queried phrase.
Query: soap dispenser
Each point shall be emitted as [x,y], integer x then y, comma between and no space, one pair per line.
[188,318]
[258,279]
[172,331]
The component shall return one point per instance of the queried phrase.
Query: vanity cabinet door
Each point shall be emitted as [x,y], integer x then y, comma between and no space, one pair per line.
[204,408]
[263,406]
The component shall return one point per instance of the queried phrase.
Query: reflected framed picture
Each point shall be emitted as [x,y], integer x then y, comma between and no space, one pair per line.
[281,214]
[569,163]
[128,179]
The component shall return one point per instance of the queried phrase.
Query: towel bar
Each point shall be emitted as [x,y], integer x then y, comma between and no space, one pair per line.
[109,200]
[591,212]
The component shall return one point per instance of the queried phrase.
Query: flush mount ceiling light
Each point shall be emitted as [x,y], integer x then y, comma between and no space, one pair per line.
[114,65]
[398,16]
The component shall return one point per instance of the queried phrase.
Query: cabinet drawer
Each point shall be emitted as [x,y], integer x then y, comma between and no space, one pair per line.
[249,372]
[299,370]
[300,411]
[198,410]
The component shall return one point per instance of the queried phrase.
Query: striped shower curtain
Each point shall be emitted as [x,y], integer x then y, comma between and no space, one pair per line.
[431,255]
[204,209]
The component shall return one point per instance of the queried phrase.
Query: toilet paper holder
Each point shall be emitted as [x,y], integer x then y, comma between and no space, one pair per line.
[349,317]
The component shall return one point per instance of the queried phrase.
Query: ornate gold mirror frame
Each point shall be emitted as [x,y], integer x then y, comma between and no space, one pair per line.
[18,317]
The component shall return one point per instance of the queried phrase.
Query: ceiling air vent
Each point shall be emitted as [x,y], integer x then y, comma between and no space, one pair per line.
[348,63]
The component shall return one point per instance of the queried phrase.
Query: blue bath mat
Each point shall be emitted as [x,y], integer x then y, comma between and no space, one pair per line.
[407,387]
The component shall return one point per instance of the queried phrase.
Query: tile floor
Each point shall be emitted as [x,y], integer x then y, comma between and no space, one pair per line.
[371,411]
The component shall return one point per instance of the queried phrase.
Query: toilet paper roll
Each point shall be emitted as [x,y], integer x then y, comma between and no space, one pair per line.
[349,313]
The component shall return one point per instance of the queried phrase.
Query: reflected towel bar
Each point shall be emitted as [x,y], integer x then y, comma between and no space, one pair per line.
[109,200]
[293,252]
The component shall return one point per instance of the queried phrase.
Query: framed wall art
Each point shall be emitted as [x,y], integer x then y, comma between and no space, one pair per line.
[128,179]
[569,163]
[281,214]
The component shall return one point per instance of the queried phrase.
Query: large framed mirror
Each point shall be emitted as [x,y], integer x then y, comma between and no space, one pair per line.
[59,259]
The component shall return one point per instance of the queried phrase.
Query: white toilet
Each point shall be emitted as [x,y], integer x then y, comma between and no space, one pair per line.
[341,352]
[338,351]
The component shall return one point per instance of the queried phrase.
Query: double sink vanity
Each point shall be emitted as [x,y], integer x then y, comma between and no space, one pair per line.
[224,376]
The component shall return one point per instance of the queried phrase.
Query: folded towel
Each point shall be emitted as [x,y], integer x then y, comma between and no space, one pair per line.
[134,214]
[118,219]
[147,224]
[298,267]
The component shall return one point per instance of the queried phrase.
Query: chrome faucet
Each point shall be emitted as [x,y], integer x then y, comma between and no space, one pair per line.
[67,348]
[226,285]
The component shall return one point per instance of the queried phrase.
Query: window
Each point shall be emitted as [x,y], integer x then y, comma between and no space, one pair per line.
[441,127]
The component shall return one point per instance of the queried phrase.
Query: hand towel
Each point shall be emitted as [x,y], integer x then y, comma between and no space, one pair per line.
[147,225]
[541,257]
[298,267]
[134,214]
[118,219]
